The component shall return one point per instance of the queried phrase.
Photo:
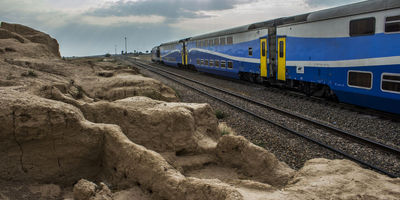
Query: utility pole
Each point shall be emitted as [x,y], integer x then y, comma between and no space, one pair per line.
[126,49]
[115,49]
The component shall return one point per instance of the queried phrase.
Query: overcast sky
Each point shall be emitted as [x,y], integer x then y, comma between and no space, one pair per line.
[93,27]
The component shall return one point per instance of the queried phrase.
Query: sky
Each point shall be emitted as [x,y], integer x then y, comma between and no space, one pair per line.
[95,27]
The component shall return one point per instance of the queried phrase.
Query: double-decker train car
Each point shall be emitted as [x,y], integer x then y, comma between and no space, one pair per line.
[350,52]
[171,53]
[234,52]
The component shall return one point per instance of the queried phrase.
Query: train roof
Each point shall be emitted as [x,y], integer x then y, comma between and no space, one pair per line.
[223,32]
[168,43]
[353,9]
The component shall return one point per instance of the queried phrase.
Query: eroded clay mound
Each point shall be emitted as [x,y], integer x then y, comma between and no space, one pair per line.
[46,141]
[128,164]
[26,34]
[338,179]
[252,160]
[157,125]
[126,85]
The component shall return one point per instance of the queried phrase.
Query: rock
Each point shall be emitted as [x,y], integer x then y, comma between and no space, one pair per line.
[159,126]
[84,190]
[122,86]
[128,164]
[5,34]
[253,160]
[46,141]
[103,191]
[105,73]
[34,36]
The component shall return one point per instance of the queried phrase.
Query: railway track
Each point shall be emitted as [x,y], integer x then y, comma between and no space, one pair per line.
[324,129]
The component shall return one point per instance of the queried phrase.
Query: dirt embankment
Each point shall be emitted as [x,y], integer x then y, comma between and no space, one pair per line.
[97,129]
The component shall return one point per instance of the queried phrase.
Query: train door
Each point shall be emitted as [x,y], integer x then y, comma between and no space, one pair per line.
[282,58]
[263,57]
[186,53]
[272,68]
[183,52]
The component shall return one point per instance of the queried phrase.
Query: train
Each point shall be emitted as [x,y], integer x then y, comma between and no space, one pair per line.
[350,53]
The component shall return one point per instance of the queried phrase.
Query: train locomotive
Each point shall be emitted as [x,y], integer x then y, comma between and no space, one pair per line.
[350,52]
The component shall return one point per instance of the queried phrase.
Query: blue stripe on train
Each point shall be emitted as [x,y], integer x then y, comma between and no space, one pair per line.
[332,49]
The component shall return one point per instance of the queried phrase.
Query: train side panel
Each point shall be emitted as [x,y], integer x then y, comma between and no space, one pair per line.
[170,54]
[361,69]
[242,55]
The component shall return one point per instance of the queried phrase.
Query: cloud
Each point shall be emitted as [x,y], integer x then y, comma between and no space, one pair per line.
[118,20]
[171,9]
[320,3]
[92,27]
[256,11]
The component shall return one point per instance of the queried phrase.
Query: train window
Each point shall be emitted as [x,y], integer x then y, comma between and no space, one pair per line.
[203,43]
[206,62]
[391,83]
[202,62]
[360,79]
[392,24]
[223,64]
[216,63]
[230,64]
[216,41]
[263,49]
[281,49]
[211,63]
[361,27]
[210,42]
[251,51]
[222,41]
[229,40]
[197,44]
[198,61]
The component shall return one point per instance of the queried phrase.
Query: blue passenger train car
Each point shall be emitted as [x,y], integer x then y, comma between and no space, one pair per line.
[351,53]
[170,53]
[234,53]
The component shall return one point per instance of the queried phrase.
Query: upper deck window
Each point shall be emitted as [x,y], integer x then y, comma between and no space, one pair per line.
[281,48]
[216,41]
[211,43]
[222,41]
[392,24]
[229,40]
[360,27]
